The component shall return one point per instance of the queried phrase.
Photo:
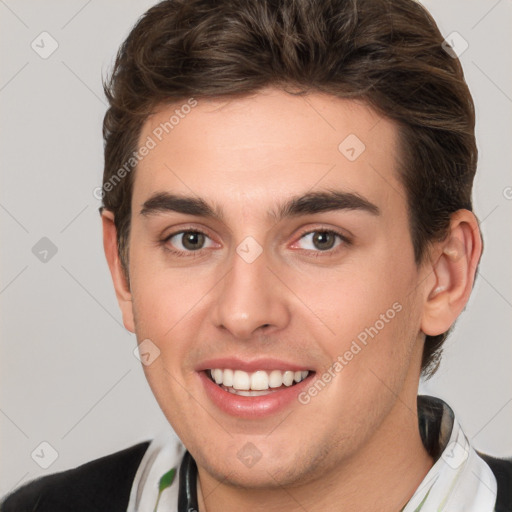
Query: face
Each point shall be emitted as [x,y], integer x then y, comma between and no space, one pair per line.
[270,242]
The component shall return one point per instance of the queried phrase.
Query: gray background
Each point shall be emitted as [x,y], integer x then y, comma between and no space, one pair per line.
[68,373]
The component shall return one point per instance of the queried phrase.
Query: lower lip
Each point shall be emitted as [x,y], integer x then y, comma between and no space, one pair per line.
[252,406]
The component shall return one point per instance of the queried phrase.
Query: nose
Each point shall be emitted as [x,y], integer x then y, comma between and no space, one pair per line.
[250,299]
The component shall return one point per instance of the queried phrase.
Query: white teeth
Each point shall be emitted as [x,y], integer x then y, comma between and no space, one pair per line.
[241,380]
[288,378]
[227,378]
[256,381]
[217,376]
[259,381]
[247,393]
[275,379]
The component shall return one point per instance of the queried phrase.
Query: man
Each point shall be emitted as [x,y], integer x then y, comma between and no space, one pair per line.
[288,223]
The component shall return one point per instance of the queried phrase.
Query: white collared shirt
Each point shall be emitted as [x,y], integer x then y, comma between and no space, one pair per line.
[459,480]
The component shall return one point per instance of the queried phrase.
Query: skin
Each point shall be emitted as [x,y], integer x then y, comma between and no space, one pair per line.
[356,444]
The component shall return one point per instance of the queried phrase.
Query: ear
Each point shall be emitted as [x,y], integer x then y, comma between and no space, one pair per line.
[452,273]
[123,294]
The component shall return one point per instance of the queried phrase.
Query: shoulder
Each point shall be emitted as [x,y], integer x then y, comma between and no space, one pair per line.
[502,469]
[102,484]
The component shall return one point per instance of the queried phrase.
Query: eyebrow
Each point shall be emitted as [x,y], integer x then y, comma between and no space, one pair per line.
[308,203]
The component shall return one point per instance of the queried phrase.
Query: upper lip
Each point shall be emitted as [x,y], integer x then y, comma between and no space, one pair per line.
[253,365]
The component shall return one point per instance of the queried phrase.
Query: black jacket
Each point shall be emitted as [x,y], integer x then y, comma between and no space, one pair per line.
[103,485]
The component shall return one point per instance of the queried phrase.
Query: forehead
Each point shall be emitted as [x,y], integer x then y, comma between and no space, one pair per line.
[259,148]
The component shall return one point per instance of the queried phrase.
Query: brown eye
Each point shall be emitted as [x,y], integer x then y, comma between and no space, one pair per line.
[193,240]
[321,240]
[188,241]
[324,240]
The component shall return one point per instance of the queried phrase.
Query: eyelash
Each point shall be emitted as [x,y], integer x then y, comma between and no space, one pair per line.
[345,241]
[184,254]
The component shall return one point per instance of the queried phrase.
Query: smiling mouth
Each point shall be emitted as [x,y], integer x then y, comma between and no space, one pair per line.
[257,383]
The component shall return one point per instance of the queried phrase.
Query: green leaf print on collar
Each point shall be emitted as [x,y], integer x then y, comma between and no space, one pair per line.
[165,482]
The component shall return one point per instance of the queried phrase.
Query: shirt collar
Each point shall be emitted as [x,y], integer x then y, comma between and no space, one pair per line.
[459,480]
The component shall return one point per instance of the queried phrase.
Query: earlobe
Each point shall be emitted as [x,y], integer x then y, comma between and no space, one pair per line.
[452,274]
[121,286]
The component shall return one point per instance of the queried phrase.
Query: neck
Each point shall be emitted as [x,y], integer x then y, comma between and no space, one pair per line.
[383,475]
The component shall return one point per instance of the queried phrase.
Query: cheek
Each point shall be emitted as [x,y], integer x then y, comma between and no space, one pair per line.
[348,299]
[165,297]
[365,316]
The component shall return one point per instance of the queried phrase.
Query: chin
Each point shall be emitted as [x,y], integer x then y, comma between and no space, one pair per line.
[272,469]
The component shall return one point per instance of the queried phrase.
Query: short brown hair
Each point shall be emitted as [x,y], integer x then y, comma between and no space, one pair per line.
[387,53]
